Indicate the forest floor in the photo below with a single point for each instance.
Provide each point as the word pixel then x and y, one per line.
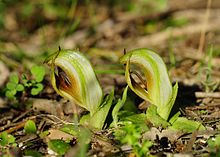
pixel 31 31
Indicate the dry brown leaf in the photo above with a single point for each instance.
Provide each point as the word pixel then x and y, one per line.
pixel 48 106
pixel 57 134
pixel 172 135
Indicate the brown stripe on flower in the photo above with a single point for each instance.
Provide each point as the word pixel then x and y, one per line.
pixel 62 80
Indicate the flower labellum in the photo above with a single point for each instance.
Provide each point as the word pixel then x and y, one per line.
pixel 158 89
pixel 73 77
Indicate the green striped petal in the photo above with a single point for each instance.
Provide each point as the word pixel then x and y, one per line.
pixel 158 89
pixel 73 77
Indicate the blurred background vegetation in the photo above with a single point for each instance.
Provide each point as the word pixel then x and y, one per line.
pixel 30 27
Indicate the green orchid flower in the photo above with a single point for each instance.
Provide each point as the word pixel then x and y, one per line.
pixel 73 77
pixel 156 88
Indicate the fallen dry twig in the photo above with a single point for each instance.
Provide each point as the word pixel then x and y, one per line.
pixel 206 95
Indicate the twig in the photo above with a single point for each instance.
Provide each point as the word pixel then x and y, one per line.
pixel 163 36
pixel 19 125
pixel 21 116
pixel 204 28
pixel 203 107
pixel 191 141
pixel 201 134
pixel 207 95
pixel 52 118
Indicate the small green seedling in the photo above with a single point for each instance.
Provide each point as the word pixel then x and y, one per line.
pixel 30 127
pixel 35 84
pixel 13 86
pixel 131 134
pixel 214 146
pixel 6 141
pixel 118 106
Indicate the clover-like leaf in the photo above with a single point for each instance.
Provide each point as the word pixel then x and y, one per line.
pixel 10 93
pixel 157 87
pixel 11 85
pixel 37 89
pixel 73 78
pixel 20 87
pixel 38 72
pixel 14 78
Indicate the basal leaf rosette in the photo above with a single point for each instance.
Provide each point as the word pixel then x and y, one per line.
pixel 73 77
pixel 159 90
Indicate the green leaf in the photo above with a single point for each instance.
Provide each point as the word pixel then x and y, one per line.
pixel 14 78
pixel 118 106
pixel 24 80
pixel 59 146
pixel 84 120
pixel 37 89
pixel 10 94
pixel 6 139
pixel 11 85
pixel 155 118
pixel 174 118
pixel 32 153
pixel 217 141
pixel 98 119
pixel 159 90
pixel 185 125
pixel 38 72
pixel 211 143
pixel 20 88
pixel 137 119
pixel 128 134
pixel 30 127
pixel 145 148
pixel 70 129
